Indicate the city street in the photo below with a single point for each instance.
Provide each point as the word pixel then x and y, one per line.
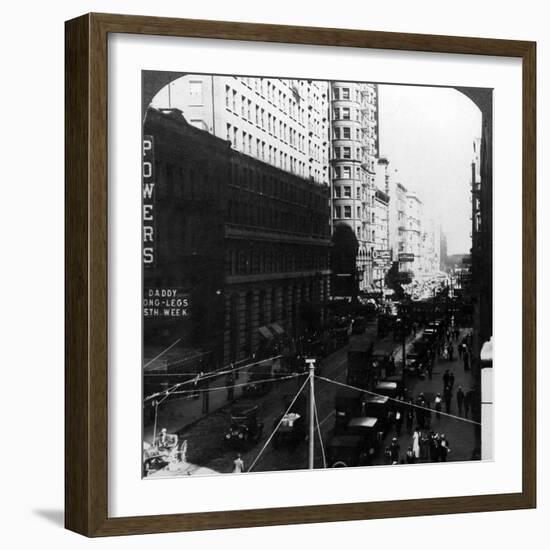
pixel 206 453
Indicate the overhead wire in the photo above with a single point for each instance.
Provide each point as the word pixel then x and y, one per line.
pixel 278 424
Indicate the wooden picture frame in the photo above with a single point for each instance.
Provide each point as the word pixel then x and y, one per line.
pixel 86 222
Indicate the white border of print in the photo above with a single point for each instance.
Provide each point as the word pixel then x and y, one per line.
pixel 128 494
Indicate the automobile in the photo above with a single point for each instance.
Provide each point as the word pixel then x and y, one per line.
pixel 381 407
pixel 244 428
pixel 291 428
pixel 415 365
pixel 345 451
pixel 389 388
pixel 370 429
pixel 347 404
pixel 359 324
pixel 257 376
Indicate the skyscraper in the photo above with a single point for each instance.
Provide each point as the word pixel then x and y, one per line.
pixel 353 114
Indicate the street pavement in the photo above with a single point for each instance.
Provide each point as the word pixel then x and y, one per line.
pixel 207 454
pixel 459 434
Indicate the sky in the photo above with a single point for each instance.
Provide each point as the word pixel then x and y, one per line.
pixel 427 134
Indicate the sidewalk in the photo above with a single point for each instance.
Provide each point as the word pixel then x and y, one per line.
pixel 460 434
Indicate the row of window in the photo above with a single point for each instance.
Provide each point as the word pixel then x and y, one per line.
pixel 255 214
pixel 279 259
pixel 288 105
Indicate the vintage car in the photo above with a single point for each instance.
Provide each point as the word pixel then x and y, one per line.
pixel 345 451
pixel 257 376
pixel 159 454
pixel 389 388
pixel 244 427
pixel 380 407
pixel 347 404
pixel 370 429
pixel 415 365
pixel 291 428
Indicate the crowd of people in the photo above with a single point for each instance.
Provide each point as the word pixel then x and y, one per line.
pixel 422 416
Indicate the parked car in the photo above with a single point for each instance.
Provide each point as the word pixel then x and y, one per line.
pixel 244 426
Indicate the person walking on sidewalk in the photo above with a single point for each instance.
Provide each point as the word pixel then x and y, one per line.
pixel 451 351
pixel 446 377
pixel 460 400
pixel 410 416
pixel 466 358
pixel 238 465
pixel 437 404
pixel 416 442
pixel 443 448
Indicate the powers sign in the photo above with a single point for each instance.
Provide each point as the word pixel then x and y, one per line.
pixel 148 201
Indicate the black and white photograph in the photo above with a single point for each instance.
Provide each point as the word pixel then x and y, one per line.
pixel 317 274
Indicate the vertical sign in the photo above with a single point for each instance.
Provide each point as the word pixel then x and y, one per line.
pixel 148 201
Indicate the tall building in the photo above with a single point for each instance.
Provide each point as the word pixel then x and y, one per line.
pixel 413 232
pixel 244 243
pixel 281 122
pixel 354 142
pixel 430 249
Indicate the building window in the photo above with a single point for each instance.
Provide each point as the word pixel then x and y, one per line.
pixel 358 192
pixel 358 211
pixel 346 171
pixel 234 102
pixel 345 93
pixel 346 132
pixel 347 211
pixel 345 112
pixel 195 92
pixel 337 172
pixel 337 212
pixel 227 97
pixel 337 191
pixel 346 152
pixel 347 191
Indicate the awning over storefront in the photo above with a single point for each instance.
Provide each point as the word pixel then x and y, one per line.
pixel 277 329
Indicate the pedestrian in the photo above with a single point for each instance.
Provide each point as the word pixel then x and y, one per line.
pixel 446 377
pixel 416 442
pixel 398 421
pixel 410 416
pixel 394 451
pixel 238 465
pixel 434 447
pixel 387 456
pixel 451 380
pixel 409 456
pixel 451 352
pixel 425 445
pixel 437 403
pixel 460 400
pixel 466 359
pixel 444 449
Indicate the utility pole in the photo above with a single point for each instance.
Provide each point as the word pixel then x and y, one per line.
pixel 404 342
pixel 311 363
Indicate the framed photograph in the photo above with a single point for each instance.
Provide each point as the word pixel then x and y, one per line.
pixel 282 249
